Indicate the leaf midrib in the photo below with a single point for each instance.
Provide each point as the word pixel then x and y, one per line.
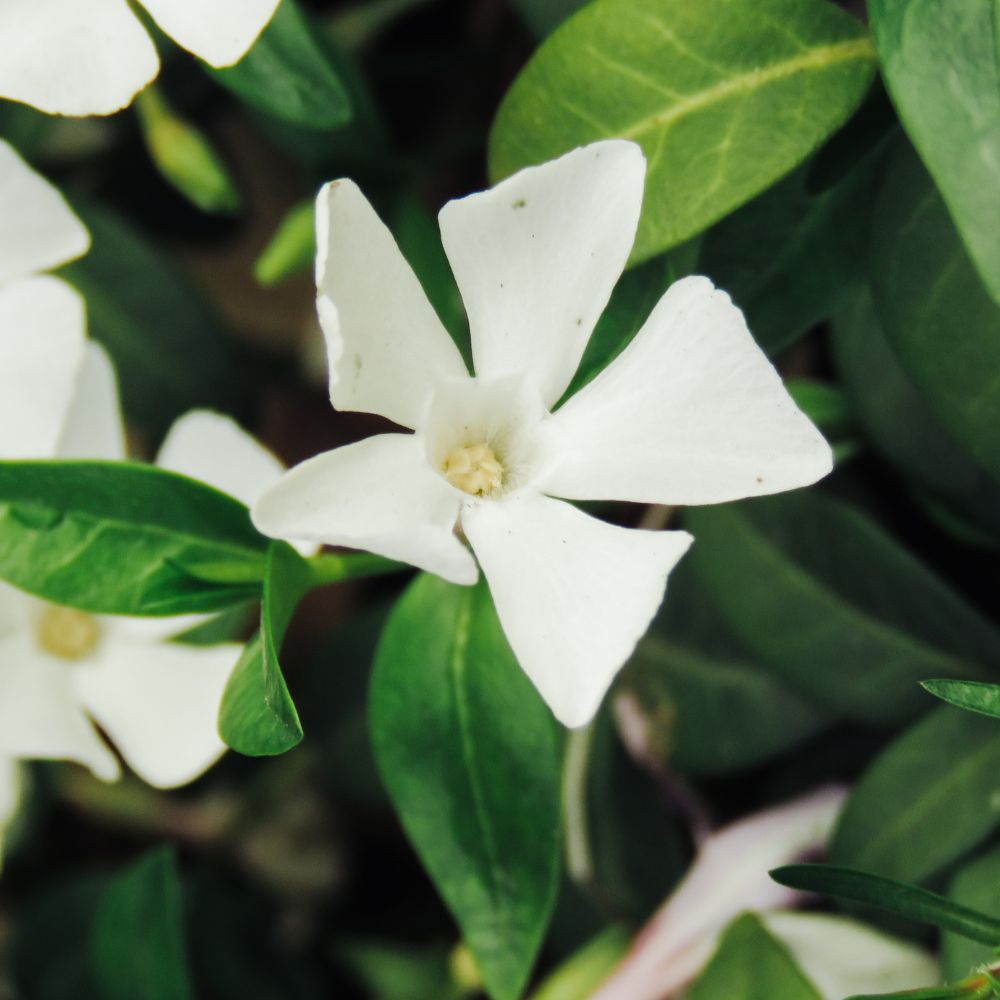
pixel 457 664
pixel 210 542
pixel 920 804
pixel 803 580
pixel 817 58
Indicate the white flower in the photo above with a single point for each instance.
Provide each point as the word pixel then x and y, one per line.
pixel 60 668
pixel 91 57
pixel 691 412
pixel 729 876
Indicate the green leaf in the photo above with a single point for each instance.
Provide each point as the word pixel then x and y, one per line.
pixel 184 156
pixel 971 695
pixel 257 716
pixel 168 349
pixel 750 964
pixel 975 885
pixel 939 318
pixel 291 249
pixel 581 974
pixel 542 16
pixel 895 897
pixel 467 751
pixel 288 74
pixel 724 97
pixel 122 538
pixel 789 257
pixel 940 63
pixel 137 938
pixel 932 795
pixel 705 715
pixel 901 425
pixel 833 606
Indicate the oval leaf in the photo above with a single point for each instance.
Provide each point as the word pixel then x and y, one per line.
pixel 940 63
pixel 835 607
pixel 467 751
pixel 137 936
pixel 750 963
pixel 977 886
pixel 895 897
pixel 288 75
pixel 703 87
pixel 124 538
pixel 971 695
pixel 941 321
pixel 926 800
pixel 257 716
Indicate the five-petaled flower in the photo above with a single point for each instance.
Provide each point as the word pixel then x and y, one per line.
pixel 91 57
pixel 691 412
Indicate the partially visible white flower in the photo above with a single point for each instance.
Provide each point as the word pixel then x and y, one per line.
pixel 42 322
pixel 91 57
pixel 62 670
pixel 730 876
pixel 691 412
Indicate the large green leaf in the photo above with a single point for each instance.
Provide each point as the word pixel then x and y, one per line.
pixel 125 538
pixel 977 886
pixel 790 257
pixel 940 63
pixel 168 349
pixel 468 753
pixel 288 74
pixel 905 900
pixel 750 964
pixel 938 316
pixel 926 800
pixel 901 425
pixel 724 96
pixel 137 937
pixel 834 606
pixel 705 715
pixel 257 716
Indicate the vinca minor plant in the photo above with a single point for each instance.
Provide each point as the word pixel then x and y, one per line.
pixel 627 629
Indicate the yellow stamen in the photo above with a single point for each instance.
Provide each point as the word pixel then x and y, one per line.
pixel 68 633
pixel 473 469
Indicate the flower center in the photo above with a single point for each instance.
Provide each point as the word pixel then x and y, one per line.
pixel 67 633
pixel 474 469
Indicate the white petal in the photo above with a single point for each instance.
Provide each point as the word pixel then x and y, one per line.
pixel 41 349
pixel 218 31
pixel 40 716
pixel 39 230
pixel 214 449
pixel 379 494
pixel 386 347
pixel 159 704
pixel 574 595
pixel 537 256
pixel 15 609
pixel 729 875
pixel 73 57
pixel 691 412
pixel 94 428
pixel 845 957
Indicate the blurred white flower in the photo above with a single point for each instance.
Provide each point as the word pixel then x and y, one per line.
pixel 60 668
pixel 691 412
pixel 730 876
pixel 91 57
pixel 42 320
